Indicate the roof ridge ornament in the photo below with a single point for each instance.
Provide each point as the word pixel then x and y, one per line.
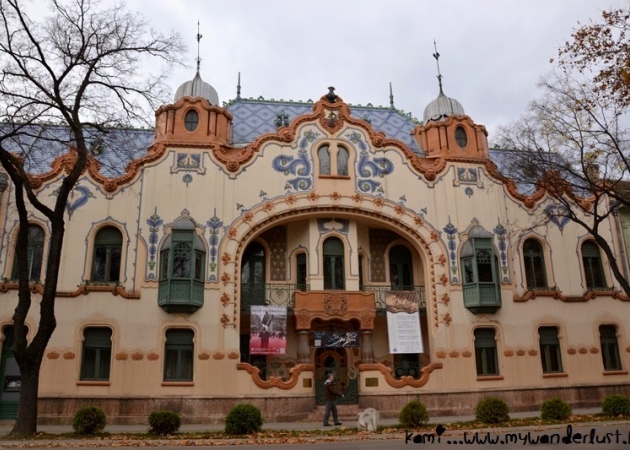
pixel 238 87
pixel 436 55
pixel 198 37
pixel 331 96
pixel 391 96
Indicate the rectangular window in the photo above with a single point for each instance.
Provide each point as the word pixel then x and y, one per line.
pixel 97 352
pixel 550 356
pixel 178 361
pixel 610 347
pixel 486 352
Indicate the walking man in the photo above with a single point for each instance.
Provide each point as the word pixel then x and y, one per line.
pixel 331 392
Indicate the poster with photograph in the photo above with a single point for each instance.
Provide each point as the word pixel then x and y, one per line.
pixel 336 339
pixel 403 322
pixel 268 330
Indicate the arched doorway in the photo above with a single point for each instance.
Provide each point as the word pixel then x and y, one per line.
pixel 335 360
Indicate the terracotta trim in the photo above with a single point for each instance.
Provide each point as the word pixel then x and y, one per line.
pixel 178 383
pixel 93 383
pixel 403 381
pixel 335 177
pixel 294 373
pixel 557 295
pixel 84 289
pixel 489 377
pixel 555 375
pixel 615 372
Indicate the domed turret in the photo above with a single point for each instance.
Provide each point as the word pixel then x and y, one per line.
pixel 442 107
pixel 197 88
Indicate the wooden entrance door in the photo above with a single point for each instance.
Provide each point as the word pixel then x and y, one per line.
pixel 335 360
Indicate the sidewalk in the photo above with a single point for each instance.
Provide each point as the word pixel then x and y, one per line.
pixel 289 426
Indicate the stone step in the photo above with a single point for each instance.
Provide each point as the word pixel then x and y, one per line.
pixel 346 413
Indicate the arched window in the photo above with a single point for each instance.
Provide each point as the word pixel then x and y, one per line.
pixel 107 250
pixel 191 120
pixel 460 137
pixel 534 260
pixel 35 254
pixel 178 359
pixel 301 271
pixel 253 275
pixel 400 268
pixel 334 268
pixel 324 160
pixel 550 356
pixel 486 352
pixel 342 161
pixel 182 269
pixel 610 347
pixel 592 261
pixel 97 354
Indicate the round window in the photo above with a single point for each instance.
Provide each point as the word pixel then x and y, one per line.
pixel 460 137
pixel 191 120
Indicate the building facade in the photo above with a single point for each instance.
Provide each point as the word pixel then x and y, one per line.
pixel 323 208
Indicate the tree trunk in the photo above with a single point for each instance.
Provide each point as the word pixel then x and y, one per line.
pixel 27 412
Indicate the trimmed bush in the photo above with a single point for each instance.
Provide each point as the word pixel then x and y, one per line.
pixel 492 410
pixel 413 415
pixel 164 422
pixel 243 419
pixel 555 409
pixel 89 420
pixel 616 405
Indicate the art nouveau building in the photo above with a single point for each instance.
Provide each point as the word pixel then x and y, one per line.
pixel 321 207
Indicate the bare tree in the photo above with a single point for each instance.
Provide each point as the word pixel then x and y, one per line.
pixel 575 145
pixel 81 70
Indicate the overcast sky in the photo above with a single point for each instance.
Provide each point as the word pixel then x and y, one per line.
pixel 492 51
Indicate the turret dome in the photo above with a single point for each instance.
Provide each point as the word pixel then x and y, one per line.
pixel 197 88
pixel 442 107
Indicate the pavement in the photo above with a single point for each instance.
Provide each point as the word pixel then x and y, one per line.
pixel 288 426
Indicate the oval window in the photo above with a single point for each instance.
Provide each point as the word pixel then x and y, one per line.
pixel 191 120
pixel 460 137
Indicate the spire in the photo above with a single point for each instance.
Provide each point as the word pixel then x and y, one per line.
pixel 436 55
pixel 391 96
pixel 238 87
pixel 198 37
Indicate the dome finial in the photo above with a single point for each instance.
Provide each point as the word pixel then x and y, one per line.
pixel 198 37
pixel 436 55
pixel 238 87
pixel 391 96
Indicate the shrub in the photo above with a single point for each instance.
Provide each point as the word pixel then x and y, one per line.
pixel 164 422
pixel 555 409
pixel 89 420
pixel 413 414
pixel 616 405
pixel 243 419
pixel 492 410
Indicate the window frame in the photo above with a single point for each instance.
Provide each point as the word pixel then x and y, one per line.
pixel 610 348
pixel 109 257
pixel 32 248
pixel 535 261
pixel 191 125
pixel 593 265
pixel 486 351
pixel 178 346
pixel 336 259
pixel 102 353
pixel 549 346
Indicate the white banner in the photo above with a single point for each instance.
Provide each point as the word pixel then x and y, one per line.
pixel 403 322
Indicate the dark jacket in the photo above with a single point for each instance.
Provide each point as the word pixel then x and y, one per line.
pixel 331 391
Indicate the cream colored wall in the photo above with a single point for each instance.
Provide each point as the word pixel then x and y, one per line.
pixel 139 325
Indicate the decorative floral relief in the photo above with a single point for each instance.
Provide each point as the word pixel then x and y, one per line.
pixel 509 353
pixel 451 233
pixel 225 299
pixel 628 349
pixel 572 351
pixel 75 201
pixel 137 356
pixel 153 356
pixel 441 354
pixel 369 169
pixel 594 350
pixel 204 356
pixel 68 355
pixel 532 352
pixel 154 222
pixel 218 356
pixel 214 228
pixel 122 356
pixel 454 354
pixel 327 225
pixel 466 353
pixel 52 355
pixel 447 319
pixel 583 350
pixel 299 166
pixel 521 352
pixel 233 355
pixel 501 233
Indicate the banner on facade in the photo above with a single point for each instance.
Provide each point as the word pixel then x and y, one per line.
pixel 336 339
pixel 403 322
pixel 268 330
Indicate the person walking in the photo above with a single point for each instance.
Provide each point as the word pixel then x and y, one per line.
pixel 331 392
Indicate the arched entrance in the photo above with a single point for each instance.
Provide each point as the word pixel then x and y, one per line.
pixel 335 360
